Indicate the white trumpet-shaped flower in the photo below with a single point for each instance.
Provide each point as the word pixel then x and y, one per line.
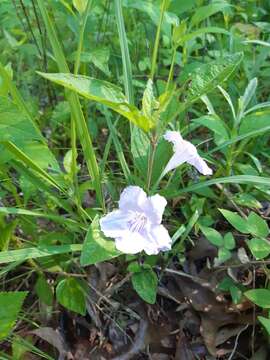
pixel 184 151
pixel 136 225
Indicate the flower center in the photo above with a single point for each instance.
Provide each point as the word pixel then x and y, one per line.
pixel 138 222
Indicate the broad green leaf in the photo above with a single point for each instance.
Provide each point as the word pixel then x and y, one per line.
pixel 265 322
pixel 247 200
pixel 10 306
pixel 6 233
pixel 149 102
pixel 96 246
pixel 248 94
pixel 34 253
pixel 208 76
pixel 140 147
pixel 145 283
pixel 223 255
pixel 80 5
pixel 260 248
pixel 235 220
pixel 102 92
pixel 44 290
pixel 20 155
pixel 70 294
pixel 236 294
pixel 211 29
pixel 16 127
pixel 255 122
pixel 99 57
pixel 215 124
pixel 260 297
pixel 229 242
pixel 257 107
pixel 212 235
pixel 204 12
pixel 153 11
pixel 256 225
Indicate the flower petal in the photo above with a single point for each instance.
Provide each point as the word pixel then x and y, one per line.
pixel 184 151
pixel 154 208
pixel 132 198
pixel 174 137
pixel 200 165
pixel 158 239
pixel 115 224
pixel 176 160
pixel 130 243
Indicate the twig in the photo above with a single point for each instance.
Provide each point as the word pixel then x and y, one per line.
pixel 30 27
pixel 198 280
pixel 236 342
pixel 229 197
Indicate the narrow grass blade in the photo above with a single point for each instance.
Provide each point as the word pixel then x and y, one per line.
pixel 75 106
pixel 20 155
pixel 238 179
pixel 34 252
pixel 124 51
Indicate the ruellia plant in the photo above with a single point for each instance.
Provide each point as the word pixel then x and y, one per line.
pixel 131 170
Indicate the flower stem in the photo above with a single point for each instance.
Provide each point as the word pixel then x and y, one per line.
pixel 83 21
pixel 171 70
pixel 155 52
pixel 151 159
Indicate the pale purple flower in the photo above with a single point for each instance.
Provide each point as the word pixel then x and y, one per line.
pixel 184 151
pixel 136 225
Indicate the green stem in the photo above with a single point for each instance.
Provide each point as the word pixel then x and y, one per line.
pixel 151 159
pixel 75 107
pixel 127 69
pixel 155 52
pixel 171 70
pixel 83 21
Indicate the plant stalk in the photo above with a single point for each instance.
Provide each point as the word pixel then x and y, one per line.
pixel 155 52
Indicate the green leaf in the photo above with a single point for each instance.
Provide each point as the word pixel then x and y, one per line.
pixel 212 235
pixel 10 306
pixel 236 294
pixel 257 226
pixel 80 5
pixel 6 233
pixel 229 242
pixel 265 322
pixel 215 124
pixel 140 147
pixel 206 30
pixel 204 12
pixel 260 248
pixel 34 252
pixel 102 92
pixel 238 179
pixel 223 255
pixel 248 94
pixel 44 290
pixel 70 294
pixel 145 283
pixel 16 127
pixel 97 247
pixel 235 220
pixel 260 297
pixel 149 102
pixel 247 200
pixel 208 76
pixel 99 57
